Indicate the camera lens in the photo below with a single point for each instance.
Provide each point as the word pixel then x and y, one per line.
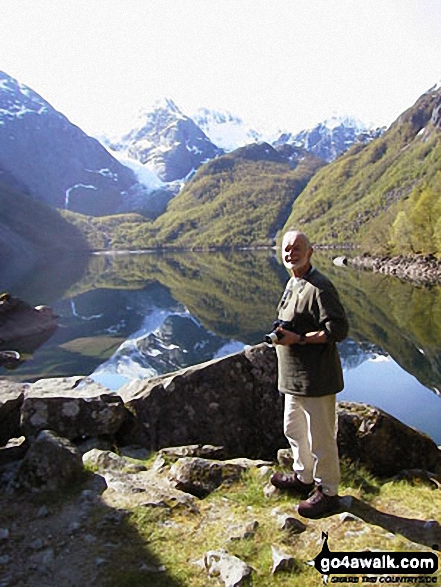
pixel 272 338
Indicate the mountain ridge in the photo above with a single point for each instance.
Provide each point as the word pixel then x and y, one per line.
pixel 58 163
pixel 385 195
pixel 168 142
pixel 377 194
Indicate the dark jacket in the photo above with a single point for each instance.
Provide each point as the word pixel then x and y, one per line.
pixel 312 304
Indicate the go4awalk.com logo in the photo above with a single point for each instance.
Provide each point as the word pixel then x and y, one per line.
pixel 363 567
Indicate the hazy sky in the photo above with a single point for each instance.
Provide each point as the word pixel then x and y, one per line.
pixel 286 63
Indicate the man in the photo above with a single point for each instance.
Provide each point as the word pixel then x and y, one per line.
pixel 310 376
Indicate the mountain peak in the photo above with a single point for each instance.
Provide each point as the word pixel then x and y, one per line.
pixel 161 106
pixel 330 138
pixel 342 120
pixel 60 165
pixel 226 130
pixel 17 100
pixel 167 142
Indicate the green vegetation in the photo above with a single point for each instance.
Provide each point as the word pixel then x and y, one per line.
pixel 177 540
pixel 238 200
pixel 232 202
pixel 384 196
pixel 108 232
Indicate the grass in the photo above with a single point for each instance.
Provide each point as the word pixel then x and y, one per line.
pixel 177 540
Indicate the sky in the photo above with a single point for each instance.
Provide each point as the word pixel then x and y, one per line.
pixel 280 64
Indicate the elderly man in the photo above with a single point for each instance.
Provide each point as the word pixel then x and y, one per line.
pixel 310 376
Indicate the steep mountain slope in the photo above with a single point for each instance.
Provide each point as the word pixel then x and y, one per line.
pixel 167 142
pixel 385 195
pixel 58 163
pixel 30 229
pixel 238 200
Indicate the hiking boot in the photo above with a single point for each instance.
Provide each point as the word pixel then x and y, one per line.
pixel 290 482
pixel 319 505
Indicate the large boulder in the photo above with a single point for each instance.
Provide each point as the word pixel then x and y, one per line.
pixel 231 402
pixel 50 464
pixel 383 444
pixel 74 407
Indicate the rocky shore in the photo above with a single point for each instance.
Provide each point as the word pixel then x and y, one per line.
pixel 421 269
pixel 73 468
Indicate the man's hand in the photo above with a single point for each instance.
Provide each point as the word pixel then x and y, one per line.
pixel 288 337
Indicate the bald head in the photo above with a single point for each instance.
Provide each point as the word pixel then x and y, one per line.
pixel 291 233
pixel 296 252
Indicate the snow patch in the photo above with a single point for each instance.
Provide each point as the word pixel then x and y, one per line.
pixel 74 187
pixel 144 175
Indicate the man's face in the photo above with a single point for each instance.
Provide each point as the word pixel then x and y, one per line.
pixel 296 252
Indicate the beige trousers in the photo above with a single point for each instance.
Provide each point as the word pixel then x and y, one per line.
pixel 310 425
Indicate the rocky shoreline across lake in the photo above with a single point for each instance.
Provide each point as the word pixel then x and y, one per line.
pixel 421 269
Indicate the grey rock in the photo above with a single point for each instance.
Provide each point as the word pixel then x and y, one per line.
pixel 289 523
pixel 200 477
pixel 245 531
pixel 424 269
pixel 148 488
pixel 109 461
pixel 383 444
pixel 193 450
pixel 231 570
pixel 135 452
pixel 74 407
pixel 230 402
pixel 14 450
pixel 281 560
pixel 50 464
pixel 4 534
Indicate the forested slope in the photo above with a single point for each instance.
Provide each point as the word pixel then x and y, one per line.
pixel 384 196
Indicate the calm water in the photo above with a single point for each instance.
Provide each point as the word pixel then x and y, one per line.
pixel 138 315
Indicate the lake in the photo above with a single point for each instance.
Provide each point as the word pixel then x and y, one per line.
pixel 125 316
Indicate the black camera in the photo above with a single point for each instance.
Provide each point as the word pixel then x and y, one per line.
pixel 276 335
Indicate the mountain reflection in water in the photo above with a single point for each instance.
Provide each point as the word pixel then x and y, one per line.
pixel 139 315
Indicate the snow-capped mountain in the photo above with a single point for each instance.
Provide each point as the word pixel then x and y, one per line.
pixel 330 138
pixel 56 162
pixel 167 142
pixel 173 145
pixel 226 130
